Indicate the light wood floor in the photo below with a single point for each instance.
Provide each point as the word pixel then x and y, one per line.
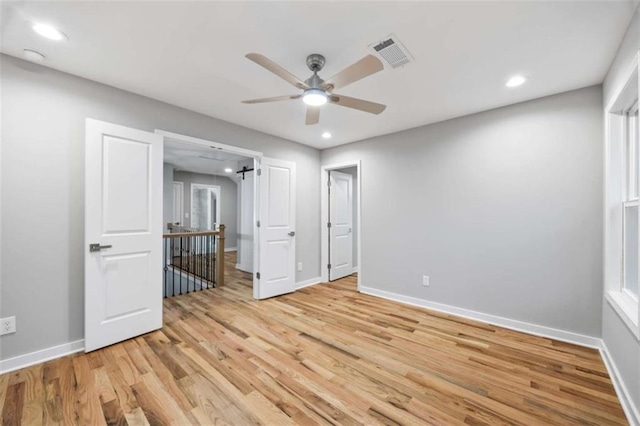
pixel 323 355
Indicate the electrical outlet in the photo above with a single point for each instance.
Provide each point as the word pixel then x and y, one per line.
pixel 299 266
pixel 7 325
pixel 425 280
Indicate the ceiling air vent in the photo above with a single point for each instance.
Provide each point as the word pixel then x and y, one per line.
pixel 392 51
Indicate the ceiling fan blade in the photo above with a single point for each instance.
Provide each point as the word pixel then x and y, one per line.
pixel 272 99
pixel 355 103
pixel 268 64
pixel 313 116
pixel 361 69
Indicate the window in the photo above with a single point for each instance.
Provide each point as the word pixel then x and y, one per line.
pixel 630 227
pixel 622 201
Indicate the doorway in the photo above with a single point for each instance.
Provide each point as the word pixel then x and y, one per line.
pixel 341 223
pixel 265 236
pixel 202 236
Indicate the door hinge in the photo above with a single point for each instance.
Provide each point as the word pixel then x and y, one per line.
pixel 258 275
pixel 258 224
pixel 328 224
pixel 329 266
pixel 259 172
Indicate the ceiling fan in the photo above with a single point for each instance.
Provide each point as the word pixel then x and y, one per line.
pixel 316 91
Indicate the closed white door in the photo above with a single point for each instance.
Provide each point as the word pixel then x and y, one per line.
pixel 123 233
pixel 341 219
pixel 277 186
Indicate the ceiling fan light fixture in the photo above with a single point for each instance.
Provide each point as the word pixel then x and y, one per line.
pixel 314 97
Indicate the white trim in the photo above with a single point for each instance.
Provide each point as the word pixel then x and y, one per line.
pixel 42 355
pixel 355 270
pixel 626 309
pixel 324 216
pixel 210 144
pixel 525 327
pixel 227 249
pixel 307 283
pixel 629 408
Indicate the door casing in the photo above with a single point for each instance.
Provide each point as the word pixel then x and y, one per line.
pixel 324 217
pixel 256 155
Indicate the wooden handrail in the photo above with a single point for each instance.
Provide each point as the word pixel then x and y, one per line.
pixel 191 234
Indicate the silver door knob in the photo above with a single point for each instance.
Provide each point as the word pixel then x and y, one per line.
pixel 292 233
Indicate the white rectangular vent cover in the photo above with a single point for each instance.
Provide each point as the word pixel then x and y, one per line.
pixel 392 51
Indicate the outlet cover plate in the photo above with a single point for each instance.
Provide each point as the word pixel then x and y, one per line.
pixel 7 325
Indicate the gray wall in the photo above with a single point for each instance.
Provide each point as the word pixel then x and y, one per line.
pixel 167 195
pixel 43 116
pixel 502 209
pixel 228 201
pixel 621 343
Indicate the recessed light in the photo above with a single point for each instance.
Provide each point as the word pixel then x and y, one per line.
pixel 516 80
pixel 32 55
pixel 49 32
pixel 228 170
pixel 326 135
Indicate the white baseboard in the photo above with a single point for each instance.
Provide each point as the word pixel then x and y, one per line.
pixel 525 327
pixel 26 360
pixel 630 410
pixel 307 283
pixel 355 270
pixel 226 249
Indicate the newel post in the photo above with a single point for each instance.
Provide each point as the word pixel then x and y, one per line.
pixel 220 256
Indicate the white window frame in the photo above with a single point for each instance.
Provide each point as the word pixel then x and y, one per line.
pixel 620 193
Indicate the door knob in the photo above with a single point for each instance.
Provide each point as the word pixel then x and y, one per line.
pixel 292 233
pixel 97 247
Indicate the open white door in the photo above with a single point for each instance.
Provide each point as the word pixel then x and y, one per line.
pixel 341 219
pixel 123 233
pixel 277 254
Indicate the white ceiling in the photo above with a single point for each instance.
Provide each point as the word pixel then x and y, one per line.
pixel 191 54
pixel 191 158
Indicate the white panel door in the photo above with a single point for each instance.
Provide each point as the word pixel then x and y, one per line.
pixel 277 186
pixel 123 217
pixel 341 218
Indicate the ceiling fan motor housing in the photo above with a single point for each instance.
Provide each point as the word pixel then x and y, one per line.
pixel 315 62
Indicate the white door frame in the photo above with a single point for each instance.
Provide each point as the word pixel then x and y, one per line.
pixel 256 155
pixel 216 189
pixel 324 217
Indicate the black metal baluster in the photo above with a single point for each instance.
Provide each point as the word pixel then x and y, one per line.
pixel 173 268
pixel 164 260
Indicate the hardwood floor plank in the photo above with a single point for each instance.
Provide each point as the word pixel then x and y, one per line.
pixel 322 355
